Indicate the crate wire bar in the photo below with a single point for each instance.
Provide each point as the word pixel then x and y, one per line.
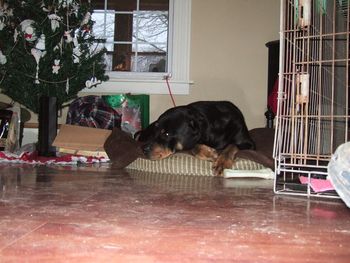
pixel 313 100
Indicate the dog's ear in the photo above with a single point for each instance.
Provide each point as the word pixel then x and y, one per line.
pixel 147 133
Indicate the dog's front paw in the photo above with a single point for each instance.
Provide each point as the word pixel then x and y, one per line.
pixel 225 160
pixel 205 152
pixel 220 164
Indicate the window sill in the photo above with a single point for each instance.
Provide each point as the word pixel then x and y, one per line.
pixel 140 86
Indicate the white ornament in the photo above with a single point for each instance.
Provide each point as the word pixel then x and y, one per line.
pixel 44 8
pixel 56 67
pixel 75 8
pixel 92 82
pixel 37 54
pixel 5 11
pixel 68 36
pixel 41 42
pixel 75 42
pixel 65 3
pixel 59 46
pixel 2 25
pixel 86 19
pixel 3 8
pixel 15 35
pixel 28 30
pixel 67 86
pixel 3 58
pixel 10 12
pixel 76 54
pixel 55 21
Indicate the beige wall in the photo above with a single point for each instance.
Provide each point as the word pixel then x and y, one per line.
pixel 228 56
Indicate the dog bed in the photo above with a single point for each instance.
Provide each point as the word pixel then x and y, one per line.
pixel 181 163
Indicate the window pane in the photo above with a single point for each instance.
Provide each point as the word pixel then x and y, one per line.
pixel 136 40
pixel 121 57
pixel 151 27
pixel 102 29
pixel 149 63
pixel 149 48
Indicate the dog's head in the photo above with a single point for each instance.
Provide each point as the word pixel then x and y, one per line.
pixel 176 129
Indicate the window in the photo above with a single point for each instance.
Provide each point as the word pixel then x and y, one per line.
pixel 136 33
pixel 146 41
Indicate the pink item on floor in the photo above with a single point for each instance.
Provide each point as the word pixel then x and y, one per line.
pixel 318 185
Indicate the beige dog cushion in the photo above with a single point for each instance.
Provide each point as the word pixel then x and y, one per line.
pixel 181 163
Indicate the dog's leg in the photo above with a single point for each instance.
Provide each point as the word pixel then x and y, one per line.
pixel 204 152
pixel 225 160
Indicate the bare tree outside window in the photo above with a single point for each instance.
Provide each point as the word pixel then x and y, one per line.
pixel 136 39
pixel 150 32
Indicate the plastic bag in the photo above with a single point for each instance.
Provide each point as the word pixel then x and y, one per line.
pixel 134 110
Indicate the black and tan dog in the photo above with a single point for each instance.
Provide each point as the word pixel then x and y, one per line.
pixel 212 130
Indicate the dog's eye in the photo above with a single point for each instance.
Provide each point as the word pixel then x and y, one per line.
pixel 164 133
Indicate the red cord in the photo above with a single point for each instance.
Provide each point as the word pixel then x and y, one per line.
pixel 169 89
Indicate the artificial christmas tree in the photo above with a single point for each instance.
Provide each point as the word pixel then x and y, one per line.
pixel 47 49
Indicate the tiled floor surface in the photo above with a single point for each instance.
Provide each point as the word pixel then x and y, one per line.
pixel 98 214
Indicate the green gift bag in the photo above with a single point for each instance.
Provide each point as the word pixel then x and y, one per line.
pixel 133 108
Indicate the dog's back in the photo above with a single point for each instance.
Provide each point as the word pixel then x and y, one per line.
pixel 223 124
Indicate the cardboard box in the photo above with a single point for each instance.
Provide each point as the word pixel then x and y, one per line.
pixel 81 140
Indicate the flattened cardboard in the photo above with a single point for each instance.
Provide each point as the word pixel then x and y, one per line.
pixel 79 138
pixel 84 153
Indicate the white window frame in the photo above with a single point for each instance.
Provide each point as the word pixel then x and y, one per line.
pixel 178 61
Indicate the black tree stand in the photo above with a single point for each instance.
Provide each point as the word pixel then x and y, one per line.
pixel 47 126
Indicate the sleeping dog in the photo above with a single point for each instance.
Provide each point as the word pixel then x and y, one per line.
pixel 211 130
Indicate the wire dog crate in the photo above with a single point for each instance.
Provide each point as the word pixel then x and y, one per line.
pixel 313 97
